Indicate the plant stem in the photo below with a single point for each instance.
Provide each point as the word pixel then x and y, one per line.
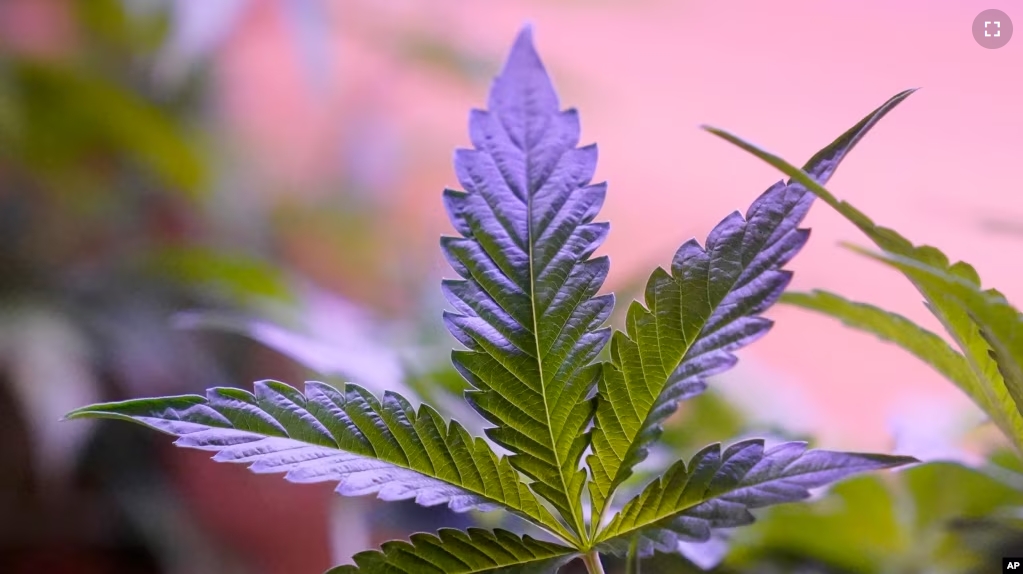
pixel 592 561
pixel 632 560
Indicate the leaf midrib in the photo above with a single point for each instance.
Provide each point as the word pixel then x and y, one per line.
pixel 577 524
pixel 487 569
pixel 682 358
pixel 518 564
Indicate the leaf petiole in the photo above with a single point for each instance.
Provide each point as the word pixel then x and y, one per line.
pixel 592 561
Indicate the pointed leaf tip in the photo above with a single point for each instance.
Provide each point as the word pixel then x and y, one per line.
pixel 523 53
pixel 525 36
pixel 523 88
pixel 523 45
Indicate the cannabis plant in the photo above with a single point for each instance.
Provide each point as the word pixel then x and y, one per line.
pixel 528 312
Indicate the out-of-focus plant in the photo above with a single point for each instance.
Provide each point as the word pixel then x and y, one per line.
pixel 528 313
pixel 100 212
pixel 108 228
pixel 94 177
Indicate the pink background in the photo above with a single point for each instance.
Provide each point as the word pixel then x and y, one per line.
pixel 645 75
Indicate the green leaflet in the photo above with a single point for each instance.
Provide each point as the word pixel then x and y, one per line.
pixel 527 308
pixel 368 446
pixel 451 551
pixel 957 312
pixel 718 488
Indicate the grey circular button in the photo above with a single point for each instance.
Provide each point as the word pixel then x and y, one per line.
pixel 992 29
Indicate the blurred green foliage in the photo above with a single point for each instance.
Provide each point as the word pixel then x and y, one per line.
pixel 73 121
pixel 935 518
pixel 232 275
pixel 106 230
pixel 82 126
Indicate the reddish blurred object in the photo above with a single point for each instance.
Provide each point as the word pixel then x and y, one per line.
pixel 37 28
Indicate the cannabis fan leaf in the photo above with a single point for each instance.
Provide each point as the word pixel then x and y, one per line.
pixel 530 316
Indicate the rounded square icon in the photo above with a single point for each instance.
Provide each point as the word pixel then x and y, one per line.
pixel 992 29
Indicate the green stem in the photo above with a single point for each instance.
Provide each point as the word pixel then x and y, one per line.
pixel 632 560
pixel 592 561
